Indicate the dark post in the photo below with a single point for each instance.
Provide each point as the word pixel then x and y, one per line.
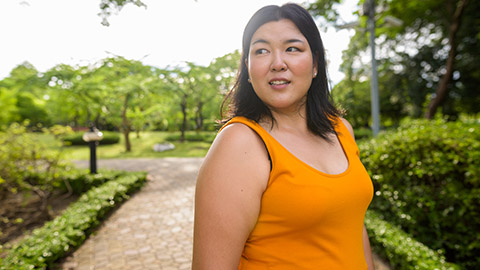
pixel 92 137
pixel 93 157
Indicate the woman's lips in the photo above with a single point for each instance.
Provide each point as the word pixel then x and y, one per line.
pixel 279 82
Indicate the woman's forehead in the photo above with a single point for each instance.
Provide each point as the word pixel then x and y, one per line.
pixel 282 30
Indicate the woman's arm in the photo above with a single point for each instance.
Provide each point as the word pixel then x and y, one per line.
pixel 229 189
pixel 366 242
pixel 367 250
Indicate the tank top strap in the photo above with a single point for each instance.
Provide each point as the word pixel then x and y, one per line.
pixel 266 138
pixel 345 137
pixel 268 141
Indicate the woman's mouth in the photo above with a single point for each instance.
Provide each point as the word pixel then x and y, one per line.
pixel 279 82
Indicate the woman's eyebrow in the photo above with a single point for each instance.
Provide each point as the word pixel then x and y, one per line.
pixel 293 40
pixel 260 41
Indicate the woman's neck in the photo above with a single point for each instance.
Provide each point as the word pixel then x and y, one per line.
pixel 286 121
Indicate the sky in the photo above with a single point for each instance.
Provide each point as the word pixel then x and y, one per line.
pixel 168 32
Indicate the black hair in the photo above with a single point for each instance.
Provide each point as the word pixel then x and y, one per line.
pixel 242 99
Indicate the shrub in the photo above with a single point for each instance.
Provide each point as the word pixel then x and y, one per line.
pixel 427 180
pixel 402 251
pixel 28 165
pixel 76 138
pixel 66 232
pixel 59 130
pixel 363 133
pixel 77 181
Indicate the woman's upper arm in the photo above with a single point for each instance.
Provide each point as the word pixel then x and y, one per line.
pixel 229 189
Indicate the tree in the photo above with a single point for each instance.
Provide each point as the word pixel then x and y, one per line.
pixel 180 86
pixel 225 70
pixel 76 94
pixel 8 103
pixel 354 98
pixel 429 56
pixel 438 17
pixel 127 84
pixel 25 86
pixel 109 6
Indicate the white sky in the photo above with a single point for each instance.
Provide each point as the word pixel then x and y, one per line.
pixel 49 32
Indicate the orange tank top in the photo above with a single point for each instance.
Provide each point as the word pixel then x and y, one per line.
pixel 309 219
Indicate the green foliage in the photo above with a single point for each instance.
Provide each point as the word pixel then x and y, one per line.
pixel 59 130
pixel 401 249
pixel 412 58
pixel 31 109
pixel 118 94
pixel 8 103
pixel 363 134
pixel 78 181
pixel 22 93
pixel 193 137
pixel 427 180
pixel 354 98
pixel 76 138
pixel 28 165
pixel 109 6
pixel 68 231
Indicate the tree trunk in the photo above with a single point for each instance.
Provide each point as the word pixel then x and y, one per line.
pixel 442 89
pixel 199 116
pixel 125 126
pixel 183 105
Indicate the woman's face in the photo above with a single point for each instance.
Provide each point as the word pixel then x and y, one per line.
pixel 280 66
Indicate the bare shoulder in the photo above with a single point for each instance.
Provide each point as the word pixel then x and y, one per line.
pixel 238 138
pixel 349 127
pixel 238 149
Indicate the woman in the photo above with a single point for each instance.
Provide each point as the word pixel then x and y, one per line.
pixel 282 186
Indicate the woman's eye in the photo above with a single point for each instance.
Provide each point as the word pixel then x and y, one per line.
pixel 293 49
pixel 260 51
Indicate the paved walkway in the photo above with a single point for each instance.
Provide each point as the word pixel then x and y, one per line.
pixel 154 228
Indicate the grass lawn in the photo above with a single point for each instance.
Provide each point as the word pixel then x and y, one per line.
pixel 141 147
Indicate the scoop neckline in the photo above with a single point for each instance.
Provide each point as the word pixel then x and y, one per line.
pixel 347 156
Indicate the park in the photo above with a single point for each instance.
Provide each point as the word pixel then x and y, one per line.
pixel 134 209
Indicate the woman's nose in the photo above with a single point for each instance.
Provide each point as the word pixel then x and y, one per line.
pixel 278 63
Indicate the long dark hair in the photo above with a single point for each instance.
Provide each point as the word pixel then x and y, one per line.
pixel 242 99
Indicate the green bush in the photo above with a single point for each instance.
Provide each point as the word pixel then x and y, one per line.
pixel 79 181
pixel 402 251
pixel 427 181
pixel 59 130
pixel 76 138
pixel 66 232
pixel 27 165
pixel 363 133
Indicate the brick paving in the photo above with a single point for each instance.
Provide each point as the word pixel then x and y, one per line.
pixel 154 228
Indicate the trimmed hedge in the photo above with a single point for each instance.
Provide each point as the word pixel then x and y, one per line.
pixel 401 249
pixel 427 181
pixel 80 180
pixel 76 138
pixel 66 232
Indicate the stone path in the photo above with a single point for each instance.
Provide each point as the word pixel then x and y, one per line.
pixel 154 228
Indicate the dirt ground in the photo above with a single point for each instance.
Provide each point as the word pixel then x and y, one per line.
pixel 20 213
